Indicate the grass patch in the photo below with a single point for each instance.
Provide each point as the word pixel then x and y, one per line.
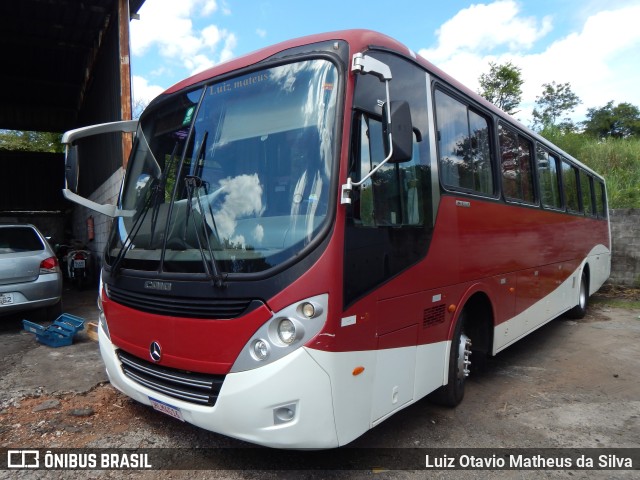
pixel 618 297
pixel 615 303
pixel 617 160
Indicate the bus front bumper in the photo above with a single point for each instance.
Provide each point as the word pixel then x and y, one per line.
pixel 285 404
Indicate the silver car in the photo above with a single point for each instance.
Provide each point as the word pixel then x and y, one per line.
pixel 30 277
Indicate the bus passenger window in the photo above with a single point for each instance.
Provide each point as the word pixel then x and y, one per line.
pixel 600 199
pixel 570 186
pixel 548 179
pixel 516 155
pixel 587 199
pixel 464 146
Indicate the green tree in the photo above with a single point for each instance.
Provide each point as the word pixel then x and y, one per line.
pixel 620 121
pixel 502 86
pixel 16 140
pixel 556 100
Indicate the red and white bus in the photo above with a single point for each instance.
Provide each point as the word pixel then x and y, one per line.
pixel 314 236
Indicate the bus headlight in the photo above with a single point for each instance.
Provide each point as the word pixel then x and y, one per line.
pixel 285 332
pixel 308 309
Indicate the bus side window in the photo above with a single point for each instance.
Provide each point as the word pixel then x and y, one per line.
pixel 516 156
pixel 570 187
pixel 464 146
pixel 393 195
pixel 587 196
pixel 601 205
pixel 548 179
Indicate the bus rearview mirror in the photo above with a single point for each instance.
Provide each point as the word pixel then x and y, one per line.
pixel 401 131
pixel 71 167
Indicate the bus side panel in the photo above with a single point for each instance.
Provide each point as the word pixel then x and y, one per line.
pixel 551 305
pixel 393 387
pixel 431 368
pixel 599 267
pixel 507 244
pixel 354 394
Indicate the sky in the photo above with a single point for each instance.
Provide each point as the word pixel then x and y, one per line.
pixel 592 44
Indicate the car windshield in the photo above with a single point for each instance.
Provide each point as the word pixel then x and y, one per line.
pixel 234 175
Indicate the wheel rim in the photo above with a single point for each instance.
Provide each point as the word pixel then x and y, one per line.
pixel 464 352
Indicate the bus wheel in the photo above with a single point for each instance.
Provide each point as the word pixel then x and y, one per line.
pixel 580 310
pixel 452 393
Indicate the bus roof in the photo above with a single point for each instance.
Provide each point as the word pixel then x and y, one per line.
pixel 358 40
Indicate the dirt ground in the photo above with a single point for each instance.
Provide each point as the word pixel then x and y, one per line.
pixel 572 384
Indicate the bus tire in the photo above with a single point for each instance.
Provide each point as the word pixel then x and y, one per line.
pixel 580 310
pixel 452 393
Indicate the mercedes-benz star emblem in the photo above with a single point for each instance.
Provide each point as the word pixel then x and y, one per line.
pixel 155 352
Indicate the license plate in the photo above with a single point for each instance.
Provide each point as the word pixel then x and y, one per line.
pixel 166 409
pixel 6 298
pixel 78 264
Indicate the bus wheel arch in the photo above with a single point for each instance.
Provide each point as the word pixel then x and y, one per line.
pixel 479 324
pixel 472 337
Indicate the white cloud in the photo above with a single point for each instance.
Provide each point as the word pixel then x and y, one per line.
pixel 211 35
pixel 143 93
pixel 261 32
pixel 600 61
pixel 167 25
pixel 484 27
pixel 230 43
pixel 209 7
pixel 198 63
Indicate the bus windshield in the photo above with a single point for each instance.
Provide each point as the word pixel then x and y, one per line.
pixel 233 176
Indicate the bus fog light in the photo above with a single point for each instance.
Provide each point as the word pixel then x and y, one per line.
pixel 260 349
pixel 286 331
pixel 284 414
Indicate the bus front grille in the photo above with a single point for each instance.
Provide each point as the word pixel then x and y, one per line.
pixel 198 388
pixel 185 307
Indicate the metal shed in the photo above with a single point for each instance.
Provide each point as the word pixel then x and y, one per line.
pixel 65 64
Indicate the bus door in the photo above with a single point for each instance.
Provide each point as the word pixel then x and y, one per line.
pixel 389 228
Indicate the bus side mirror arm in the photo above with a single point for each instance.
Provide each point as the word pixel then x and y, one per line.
pixel 363 64
pixel 126 126
pixel 72 164
pixel 108 210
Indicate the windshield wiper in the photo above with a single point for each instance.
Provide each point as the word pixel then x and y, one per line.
pixel 153 198
pixel 212 270
pixel 126 246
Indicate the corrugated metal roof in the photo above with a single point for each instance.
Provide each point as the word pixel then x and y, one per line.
pixel 49 49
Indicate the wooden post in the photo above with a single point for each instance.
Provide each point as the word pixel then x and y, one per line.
pixel 125 75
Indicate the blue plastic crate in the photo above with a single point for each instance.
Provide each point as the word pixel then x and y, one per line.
pixel 67 320
pixel 60 333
